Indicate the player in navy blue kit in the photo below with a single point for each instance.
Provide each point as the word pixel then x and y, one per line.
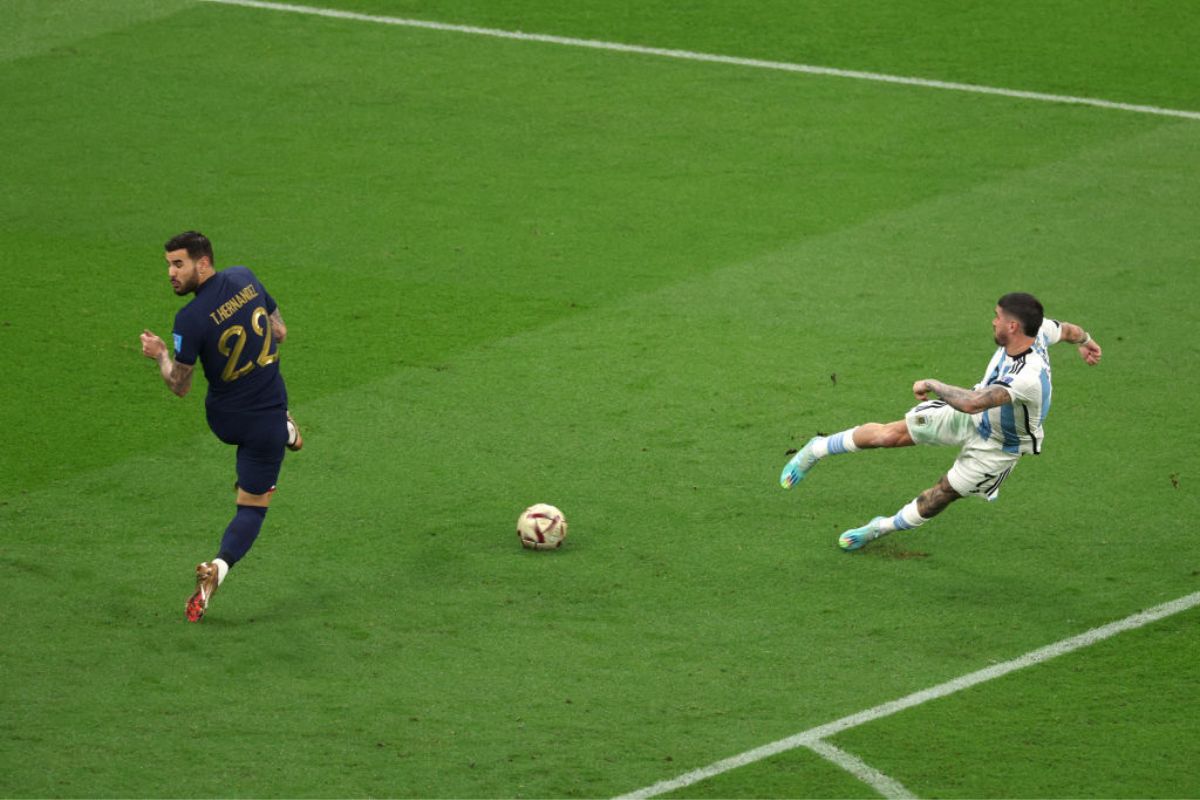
pixel 234 327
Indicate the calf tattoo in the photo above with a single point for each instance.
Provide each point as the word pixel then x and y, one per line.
pixel 931 501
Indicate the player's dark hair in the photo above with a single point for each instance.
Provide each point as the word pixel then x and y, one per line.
pixel 196 244
pixel 1025 308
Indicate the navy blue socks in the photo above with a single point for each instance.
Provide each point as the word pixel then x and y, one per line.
pixel 242 531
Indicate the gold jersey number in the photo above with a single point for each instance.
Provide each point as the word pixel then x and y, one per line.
pixel 233 342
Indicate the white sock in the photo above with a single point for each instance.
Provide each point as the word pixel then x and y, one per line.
pixel 222 569
pixel 836 444
pixel 905 519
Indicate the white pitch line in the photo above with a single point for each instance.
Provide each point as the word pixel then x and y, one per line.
pixel 889 787
pixel 689 55
pixel 813 735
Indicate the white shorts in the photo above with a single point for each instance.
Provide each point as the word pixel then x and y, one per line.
pixel 981 466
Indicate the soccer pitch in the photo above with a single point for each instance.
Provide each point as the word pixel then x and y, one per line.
pixel 626 283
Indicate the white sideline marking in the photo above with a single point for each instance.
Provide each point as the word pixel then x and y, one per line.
pixel 888 787
pixel 688 55
pixel 813 736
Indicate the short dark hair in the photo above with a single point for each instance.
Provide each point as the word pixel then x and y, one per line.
pixel 1024 307
pixel 196 244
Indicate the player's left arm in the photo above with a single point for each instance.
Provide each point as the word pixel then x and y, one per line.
pixel 970 401
pixel 177 376
pixel 1089 350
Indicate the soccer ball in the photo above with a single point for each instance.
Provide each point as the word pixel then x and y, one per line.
pixel 541 527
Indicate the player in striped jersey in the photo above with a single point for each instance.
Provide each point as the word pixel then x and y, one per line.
pixel 995 423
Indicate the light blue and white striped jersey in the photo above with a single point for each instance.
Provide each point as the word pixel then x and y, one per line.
pixel 1018 426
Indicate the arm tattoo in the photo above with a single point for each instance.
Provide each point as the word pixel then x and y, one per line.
pixel 1072 333
pixel 970 401
pixel 954 395
pixel 278 328
pixel 994 396
pixel 179 379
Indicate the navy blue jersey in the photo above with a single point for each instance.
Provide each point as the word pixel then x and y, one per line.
pixel 228 326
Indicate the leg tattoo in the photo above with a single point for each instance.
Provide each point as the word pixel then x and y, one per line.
pixel 934 500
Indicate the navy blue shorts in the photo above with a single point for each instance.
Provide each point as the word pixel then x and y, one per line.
pixel 261 437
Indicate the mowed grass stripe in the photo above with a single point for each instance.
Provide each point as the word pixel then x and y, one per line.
pixel 813 737
pixel 611 176
pixel 1091 724
pixel 388 636
pixel 819 265
pixel 667 412
pixel 688 55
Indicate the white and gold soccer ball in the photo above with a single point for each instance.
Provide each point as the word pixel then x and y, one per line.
pixel 541 527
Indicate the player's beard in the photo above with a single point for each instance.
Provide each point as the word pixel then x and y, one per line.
pixel 186 286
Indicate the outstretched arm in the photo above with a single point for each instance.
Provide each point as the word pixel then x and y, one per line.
pixel 1089 351
pixel 178 377
pixel 969 400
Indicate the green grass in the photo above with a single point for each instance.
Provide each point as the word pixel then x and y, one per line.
pixel 1113 721
pixel 517 273
pixel 1060 724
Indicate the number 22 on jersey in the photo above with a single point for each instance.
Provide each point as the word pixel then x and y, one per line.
pixel 233 342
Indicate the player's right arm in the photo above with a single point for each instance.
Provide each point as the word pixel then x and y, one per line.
pixel 970 401
pixel 177 376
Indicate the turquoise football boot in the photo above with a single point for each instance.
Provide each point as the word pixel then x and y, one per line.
pixel 798 467
pixel 855 538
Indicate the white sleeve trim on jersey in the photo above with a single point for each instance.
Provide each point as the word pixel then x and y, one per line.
pixel 1052 330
